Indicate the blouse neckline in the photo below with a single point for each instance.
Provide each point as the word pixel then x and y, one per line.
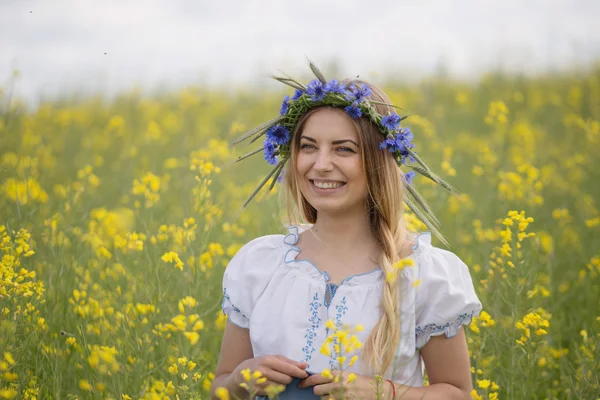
pixel 366 278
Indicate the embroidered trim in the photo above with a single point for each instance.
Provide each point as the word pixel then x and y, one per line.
pixel 341 311
pixel 311 333
pixel 423 334
pixel 228 306
pixel 331 289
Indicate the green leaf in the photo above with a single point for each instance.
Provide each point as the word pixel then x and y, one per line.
pixel 389 105
pixel 249 154
pixel 426 221
pixel 274 181
pixel 419 199
pixel 260 186
pixel 430 175
pixel 317 73
pixel 289 82
pixel 258 129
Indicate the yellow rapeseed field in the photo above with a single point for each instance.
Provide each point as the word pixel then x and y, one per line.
pixel 118 218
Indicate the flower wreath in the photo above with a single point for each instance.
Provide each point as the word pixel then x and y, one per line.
pixel 356 102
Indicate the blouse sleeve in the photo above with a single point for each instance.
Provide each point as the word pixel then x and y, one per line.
pixel 445 299
pixel 247 276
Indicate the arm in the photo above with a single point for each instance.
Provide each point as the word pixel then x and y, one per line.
pixel 448 368
pixel 235 349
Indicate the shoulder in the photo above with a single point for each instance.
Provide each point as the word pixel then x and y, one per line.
pixel 260 244
pixel 436 265
pixel 263 252
pixel 248 274
pixel 445 295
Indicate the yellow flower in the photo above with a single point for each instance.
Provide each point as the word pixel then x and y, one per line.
pixel 325 350
pixel 483 383
pixel 192 337
pixel 170 388
pixel 327 373
pixel 182 360
pixel 246 373
pixel 8 393
pixel 352 360
pixel 273 391
pixel 222 393
pixel 351 377
pixel 416 283
pixel 173 370
pixel 9 358
pixel 256 374
pixel 85 385
pixel 10 376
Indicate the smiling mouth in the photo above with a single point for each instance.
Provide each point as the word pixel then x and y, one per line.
pixel 327 185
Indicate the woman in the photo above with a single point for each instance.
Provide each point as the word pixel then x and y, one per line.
pixel 344 145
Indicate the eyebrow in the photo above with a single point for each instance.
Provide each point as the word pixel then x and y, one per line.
pixel 334 142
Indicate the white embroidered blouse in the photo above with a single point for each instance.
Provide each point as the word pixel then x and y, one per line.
pixel 283 302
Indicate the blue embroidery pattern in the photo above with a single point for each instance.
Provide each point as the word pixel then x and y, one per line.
pixel 341 311
pixel 331 289
pixel 228 306
pixel 450 328
pixel 311 332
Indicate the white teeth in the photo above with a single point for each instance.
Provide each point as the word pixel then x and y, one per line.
pixel 327 185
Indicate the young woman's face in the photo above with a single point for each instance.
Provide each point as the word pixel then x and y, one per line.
pixel 329 163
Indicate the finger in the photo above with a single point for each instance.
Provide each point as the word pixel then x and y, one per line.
pixel 299 364
pixel 285 367
pixel 316 379
pixel 327 389
pixel 277 377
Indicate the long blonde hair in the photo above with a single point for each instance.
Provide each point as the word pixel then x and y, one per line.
pixel 385 204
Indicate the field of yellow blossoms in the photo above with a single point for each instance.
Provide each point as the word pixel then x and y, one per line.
pixel 118 217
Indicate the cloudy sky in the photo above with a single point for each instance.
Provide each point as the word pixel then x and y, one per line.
pixel 111 45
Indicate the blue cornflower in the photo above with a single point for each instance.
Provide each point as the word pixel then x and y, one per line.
pixel 403 140
pixel 285 105
pixel 407 135
pixel 358 93
pixel 409 177
pixel 316 89
pixel 400 143
pixel 353 111
pixel 278 134
pixel 269 150
pixel 333 86
pixel 391 121
pixel 297 94
pixel 391 144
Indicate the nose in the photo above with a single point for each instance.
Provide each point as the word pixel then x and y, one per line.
pixel 323 161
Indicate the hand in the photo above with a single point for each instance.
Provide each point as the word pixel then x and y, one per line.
pixel 276 368
pixel 359 387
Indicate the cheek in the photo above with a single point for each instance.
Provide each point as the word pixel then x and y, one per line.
pixel 301 166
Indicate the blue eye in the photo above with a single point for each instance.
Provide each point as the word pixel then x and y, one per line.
pixel 305 146
pixel 346 149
